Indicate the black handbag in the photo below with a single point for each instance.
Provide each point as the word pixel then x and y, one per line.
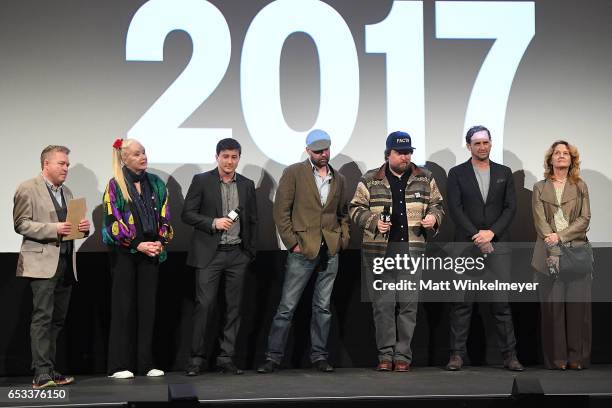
pixel 576 261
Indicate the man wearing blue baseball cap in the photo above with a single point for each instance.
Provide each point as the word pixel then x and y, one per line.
pixel 408 194
pixel 310 214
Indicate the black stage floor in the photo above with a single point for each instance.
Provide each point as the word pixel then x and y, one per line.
pixel 354 387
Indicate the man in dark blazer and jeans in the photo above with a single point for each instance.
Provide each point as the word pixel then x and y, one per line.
pixel 482 203
pixel 221 248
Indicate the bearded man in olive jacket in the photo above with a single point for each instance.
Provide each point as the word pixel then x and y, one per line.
pixel 311 216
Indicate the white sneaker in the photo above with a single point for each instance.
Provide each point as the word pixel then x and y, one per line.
pixel 122 375
pixel 155 373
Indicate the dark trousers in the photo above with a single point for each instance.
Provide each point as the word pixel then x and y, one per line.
pixel 497 267
pixel 395 311
pixel 231 266
pixel 50 299
pixel 133 298
pixel 565 320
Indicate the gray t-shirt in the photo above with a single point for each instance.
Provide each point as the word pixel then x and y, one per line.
pixel 483 177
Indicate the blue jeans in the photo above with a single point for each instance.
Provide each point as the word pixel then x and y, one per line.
pixel 298 273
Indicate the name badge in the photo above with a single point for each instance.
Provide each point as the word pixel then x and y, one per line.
pixel 417 195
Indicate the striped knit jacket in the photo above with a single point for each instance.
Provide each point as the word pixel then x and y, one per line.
pixel 374 193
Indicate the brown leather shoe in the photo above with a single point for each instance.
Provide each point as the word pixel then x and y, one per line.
pixel 401 366
pixel 384 365
pixel 454 363
pixel 575 365
pixel 559 365
pixel 511 362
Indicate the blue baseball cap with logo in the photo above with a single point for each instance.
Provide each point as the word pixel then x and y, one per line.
pixel 399 141
pixel 318 139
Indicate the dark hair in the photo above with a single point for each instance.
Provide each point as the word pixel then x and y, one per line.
pixel 388 152
pixel 229 144
pixel 475 129
pixel 44 155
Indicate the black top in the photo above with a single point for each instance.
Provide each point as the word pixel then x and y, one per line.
pixel 399 219
pixel 143 204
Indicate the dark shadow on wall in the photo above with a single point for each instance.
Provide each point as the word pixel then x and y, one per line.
pixel 178 303
pixel 176 199
pixel 265 188
pixel 522 232
pixel 89 321
pixel 350 170
pixel 259 294
pixel 346 297
pixel 87 183
pixel 522 229
pixel 600 188
pixel 436 166
pixel 433 316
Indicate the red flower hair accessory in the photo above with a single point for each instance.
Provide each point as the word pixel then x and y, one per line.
pixel 118 143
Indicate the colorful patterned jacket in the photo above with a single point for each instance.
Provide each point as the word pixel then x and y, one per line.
pixel 374 193
pixel 118 227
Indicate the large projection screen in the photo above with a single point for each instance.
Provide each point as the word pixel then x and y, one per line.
pixel 180 75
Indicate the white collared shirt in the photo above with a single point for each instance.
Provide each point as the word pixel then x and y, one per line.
pixel 322 183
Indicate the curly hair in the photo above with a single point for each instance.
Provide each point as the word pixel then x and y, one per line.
pixel 573 174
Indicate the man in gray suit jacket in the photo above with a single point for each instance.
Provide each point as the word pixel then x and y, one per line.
pixel 311 215
pixel 48 262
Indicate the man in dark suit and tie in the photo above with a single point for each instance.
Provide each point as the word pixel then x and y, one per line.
pixel 222 247
pixel 482 203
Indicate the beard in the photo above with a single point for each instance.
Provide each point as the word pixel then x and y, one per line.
pixel 320 163
pixel 399 168
pixel 482 156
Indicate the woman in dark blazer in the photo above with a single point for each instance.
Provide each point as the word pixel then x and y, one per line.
pixel 561 215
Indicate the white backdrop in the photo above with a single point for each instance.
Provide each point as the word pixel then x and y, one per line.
pixel 180 75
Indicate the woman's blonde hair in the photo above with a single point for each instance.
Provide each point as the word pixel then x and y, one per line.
pixel 573 174
pixel 119 154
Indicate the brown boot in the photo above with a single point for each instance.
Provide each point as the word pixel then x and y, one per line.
pixel 385 365
pixel 511 362
pixel 401 366
pixel 454 363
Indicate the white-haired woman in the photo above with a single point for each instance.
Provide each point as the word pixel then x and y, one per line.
pixel 136 228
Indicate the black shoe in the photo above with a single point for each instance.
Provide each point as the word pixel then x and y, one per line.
pixel 268 367
pixel 192 370
pixel 323 366
pixel 60 379
pixel 43 381
pixel 229 368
